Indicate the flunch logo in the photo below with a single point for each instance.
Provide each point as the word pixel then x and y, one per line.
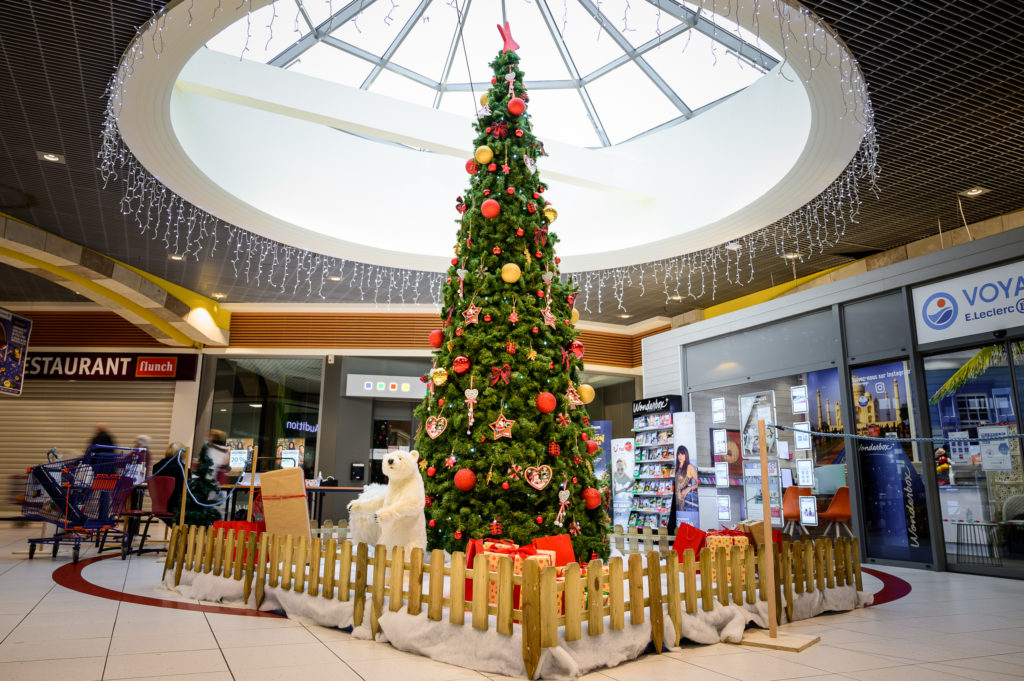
pixel 939 311
pixel 156 367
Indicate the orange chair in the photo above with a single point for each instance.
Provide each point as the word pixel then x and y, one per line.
pixel 838 512
pixel 791 508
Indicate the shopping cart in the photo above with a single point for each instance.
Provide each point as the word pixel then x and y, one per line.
pixel 82 497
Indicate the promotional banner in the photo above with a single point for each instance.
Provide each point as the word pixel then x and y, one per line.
pixel 622 453
pixel 892 490
pixel 603 461
pixel 14 333
pixel 684 445
pixel 980 302
pixel 111 366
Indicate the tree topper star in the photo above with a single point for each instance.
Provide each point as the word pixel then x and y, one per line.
pixel 506 35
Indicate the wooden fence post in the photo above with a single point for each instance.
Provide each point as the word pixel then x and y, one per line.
pixel 397 574
pixel 197 561
pixel 636 589
pixel 330 558
pixel 261 569
pixel 345 571
pixel 797 554
pixel 690 581
pixel 457 587
pixel 615 594
pixel 179 561
pixel 530 603
pixel 809 566
pixel 505 595
pixel 172 549
pixel 674 601
pixel 736 573
pixel 415 581
pixel 380 563
pixel 786 579
pixel 481 592
pixel 315 556
pixel 707 601
pixel 722 575
pixel 548 604
pixel 750 574
pixel 435 605
pixel 190 548
pixel 856 564
pixel 595 598
pixel 819 562
pixel 654 594
pixel 211 549
pixel 359 597
pixel 829 560
pixel 250 566
pixel 286 563
pixel 300 566
pixel 573 597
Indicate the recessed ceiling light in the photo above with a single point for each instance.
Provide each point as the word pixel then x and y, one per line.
pixel 974 191
pixel 677 298
pixel 733 246
pixel 220 296
pixel 223 409
pixel 175 256
pixel 50 156
pixel 256 406
pixel 624 316
pixel 791 256
pixel 334 277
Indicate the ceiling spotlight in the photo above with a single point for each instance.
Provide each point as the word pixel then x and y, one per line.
pixel 176 257
pixel 334 277
pixel 219 296
pixel 676 298
pixel 733 246
pixel 255 405
pixel 49 156
pixel 624 316
pixel 791 256
pixel 974 191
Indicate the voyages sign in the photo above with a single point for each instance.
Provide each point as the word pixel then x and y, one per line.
pixel 980 302
pixel 110 366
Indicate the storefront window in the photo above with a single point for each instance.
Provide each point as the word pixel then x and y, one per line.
pixel 981 493
pixel 272 404
pixel 810 400
pixel 892 491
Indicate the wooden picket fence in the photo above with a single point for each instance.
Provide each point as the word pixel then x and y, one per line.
pixel 337 570
pixel 641 540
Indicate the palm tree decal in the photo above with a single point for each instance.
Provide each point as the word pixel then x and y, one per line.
pixel 986 357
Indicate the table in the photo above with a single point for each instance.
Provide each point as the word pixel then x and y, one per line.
pixel 314 498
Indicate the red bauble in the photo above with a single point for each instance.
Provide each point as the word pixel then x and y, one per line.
pixel 539 254
pixel 558 260
pixel 464 479
pixel 458 534
pixel 431 472
pixel 496 251
pixel 490 208
pixel 440 402
pixel 432 523
pixel 492 167
pixel 504 485
pixel 520 232
pixel 577 348
pixel 487 192
pixel 472 167
pixel 494 80
pixel 546 403
pixel 458 331
pixel 455 261
pixel 540 520
pixel 516 106
pixel 540 294
pixel 583 436
pixel 519 133
pixel 535 329
pixel 461 365
pixel 487 317
pixel 591 498
pixel 536 195
pixel 436 338
pixel 592 447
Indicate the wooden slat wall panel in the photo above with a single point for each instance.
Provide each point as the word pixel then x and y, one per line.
pixel 86 329
pixel 388 331
pixel 637 349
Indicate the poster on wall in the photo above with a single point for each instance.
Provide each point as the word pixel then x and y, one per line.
pixel 752 492
pixel 809 510
pixel 603 460
pixel 892 490
pixel 718 410
pixel 724 507
pixel 291 452
pixel 798 396
pixel 802 436
pixel 14 334
pixel 731 452
pixel 995 454
pixel 756 407
pixel 721 474
pixel 622 479
pixel 241 449
pixel 960 446
pixel 684 436
pixel 805 473
pixel 824 413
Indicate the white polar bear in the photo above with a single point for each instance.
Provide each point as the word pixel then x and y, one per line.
pixel 398 506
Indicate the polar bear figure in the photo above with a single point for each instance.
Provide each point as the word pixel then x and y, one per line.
pixel 398 506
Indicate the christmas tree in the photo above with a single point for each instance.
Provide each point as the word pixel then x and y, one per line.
pixel 505 441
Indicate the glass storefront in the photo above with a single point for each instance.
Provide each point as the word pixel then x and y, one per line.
pixel 971 395
pixel 272 404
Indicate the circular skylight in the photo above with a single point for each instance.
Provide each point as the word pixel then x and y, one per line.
pixel 611 70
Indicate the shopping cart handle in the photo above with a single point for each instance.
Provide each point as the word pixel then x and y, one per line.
pixel 52 455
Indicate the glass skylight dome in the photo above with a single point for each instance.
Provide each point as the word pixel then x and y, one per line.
pixel 611 70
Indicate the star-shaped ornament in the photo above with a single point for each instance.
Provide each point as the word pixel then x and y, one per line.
pixel 472 314
pixel 548 315
pixel 502 427
pixel 423 464
pixel 450 461
pixel 505 168
pixel 531 355
pixel 513 316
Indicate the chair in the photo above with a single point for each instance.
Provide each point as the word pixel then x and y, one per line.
pixel 160 489
pixel 791 508
pixel 838 512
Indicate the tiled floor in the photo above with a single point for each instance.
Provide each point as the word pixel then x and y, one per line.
pixel 950 627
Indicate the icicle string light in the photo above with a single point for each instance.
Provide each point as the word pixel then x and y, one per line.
pixel 185 229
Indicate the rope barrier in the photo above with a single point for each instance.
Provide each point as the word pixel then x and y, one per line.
pixel 932 440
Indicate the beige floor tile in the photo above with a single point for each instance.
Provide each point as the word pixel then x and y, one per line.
pixel 837 660
pixel 128 643
pixel 354 649
pixel 329 671
pixel 755 666
pixel 70 669
pixel 201 676
pixel 908 673
pixel 237 638
pixel 413 667
pixel 52 649
pixel 258 657
pixel 164 664
pixel 662 667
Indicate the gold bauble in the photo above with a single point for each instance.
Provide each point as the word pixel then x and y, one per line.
pixel 575 317
pixel 550 214
pixel 510 272
pixel 483 155
pixel 483 99
pixel 586 392
pixel 440 377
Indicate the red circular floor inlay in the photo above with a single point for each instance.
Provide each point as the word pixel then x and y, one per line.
pixel 892 586
pixel 70 576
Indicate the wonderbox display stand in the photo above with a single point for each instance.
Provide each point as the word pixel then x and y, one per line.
pixel 655 461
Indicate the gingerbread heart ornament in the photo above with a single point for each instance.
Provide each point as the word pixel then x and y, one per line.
pixel 537 477
pixel 436 426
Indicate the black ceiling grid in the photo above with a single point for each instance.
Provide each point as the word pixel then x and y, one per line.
pixel 943 75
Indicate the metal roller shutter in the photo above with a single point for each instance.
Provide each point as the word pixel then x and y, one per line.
pixel 63 414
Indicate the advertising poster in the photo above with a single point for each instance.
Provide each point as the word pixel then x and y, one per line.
pixel 798 395
pixel 731 451
pixel 892 489
pixel 995 454
pixel 805 473
pixel 718 410
pixel 721 474
pixel 724 507
pixel 802 436
pixel 959 446
pixel 241 449
pixel 622 480
pixel 14 333
pixel 603 460
pixel 808 511
pixel 825 415
pixel 291 452
pixel 753 408
pixel 684 436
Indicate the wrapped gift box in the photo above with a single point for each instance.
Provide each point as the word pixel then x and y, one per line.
pixel 727 539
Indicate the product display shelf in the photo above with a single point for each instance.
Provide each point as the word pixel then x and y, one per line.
pixel 649 428
pixel 655 470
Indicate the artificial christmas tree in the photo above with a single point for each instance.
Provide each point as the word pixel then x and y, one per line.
pixel 504 430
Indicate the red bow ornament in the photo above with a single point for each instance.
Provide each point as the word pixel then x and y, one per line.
pixel 502 374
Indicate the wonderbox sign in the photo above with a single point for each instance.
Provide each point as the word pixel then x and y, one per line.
pixel 980 302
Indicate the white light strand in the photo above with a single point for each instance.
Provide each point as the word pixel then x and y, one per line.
pixel 191 232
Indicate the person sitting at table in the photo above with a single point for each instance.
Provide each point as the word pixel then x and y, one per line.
pixel 173 466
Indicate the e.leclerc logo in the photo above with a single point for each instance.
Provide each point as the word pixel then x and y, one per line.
pixel 939 311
